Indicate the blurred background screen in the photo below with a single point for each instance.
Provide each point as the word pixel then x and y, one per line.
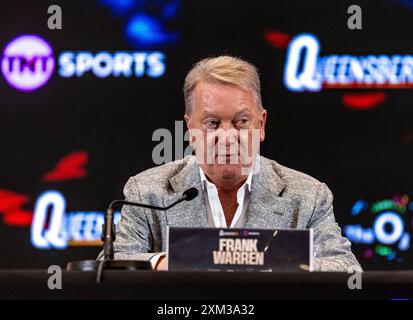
pixel 79 107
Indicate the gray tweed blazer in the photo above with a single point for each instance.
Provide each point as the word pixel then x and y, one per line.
pixel 281 198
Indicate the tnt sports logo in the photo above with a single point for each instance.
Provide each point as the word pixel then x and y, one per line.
pixel 27 62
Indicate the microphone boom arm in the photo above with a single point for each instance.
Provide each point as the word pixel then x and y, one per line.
pixel 109 229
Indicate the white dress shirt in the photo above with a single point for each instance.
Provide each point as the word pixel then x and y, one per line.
pixel 215 212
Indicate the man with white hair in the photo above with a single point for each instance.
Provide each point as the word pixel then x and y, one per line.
pixel 238 187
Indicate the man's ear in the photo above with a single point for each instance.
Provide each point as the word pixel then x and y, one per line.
pixel 188 125
pixel 186 118
pixel 263 121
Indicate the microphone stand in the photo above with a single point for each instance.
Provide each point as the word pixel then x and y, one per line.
pixel 109 236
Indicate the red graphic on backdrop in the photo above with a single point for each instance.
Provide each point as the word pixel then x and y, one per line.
pixel 69 167
pixel 277 38
pixel 364 101
pixel 11 207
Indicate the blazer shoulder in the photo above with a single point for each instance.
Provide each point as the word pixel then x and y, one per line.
pixel 156 179
pixel 294 179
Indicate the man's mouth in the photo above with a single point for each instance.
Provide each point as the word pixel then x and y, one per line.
pixel 227 155
pixel 227 158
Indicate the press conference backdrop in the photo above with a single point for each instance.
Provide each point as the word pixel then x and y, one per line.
pixel 79 108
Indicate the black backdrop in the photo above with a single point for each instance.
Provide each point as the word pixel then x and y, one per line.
pixel 361 154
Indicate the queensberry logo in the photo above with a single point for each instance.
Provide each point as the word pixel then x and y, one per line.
pixel 28 62
pixel 55 228
pixel 306 70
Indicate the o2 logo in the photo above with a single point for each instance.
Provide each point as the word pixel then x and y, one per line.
pixel 27 62
pixel 388 233
pixel 389 229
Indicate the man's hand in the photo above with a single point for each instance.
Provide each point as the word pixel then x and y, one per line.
pixel 161 265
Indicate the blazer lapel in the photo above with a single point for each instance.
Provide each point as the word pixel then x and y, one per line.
pixel 187 213
pixel 267 209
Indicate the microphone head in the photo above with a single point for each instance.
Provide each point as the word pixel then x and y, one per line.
pixel 190 194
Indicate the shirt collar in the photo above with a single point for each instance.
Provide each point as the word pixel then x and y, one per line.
pixel 204 179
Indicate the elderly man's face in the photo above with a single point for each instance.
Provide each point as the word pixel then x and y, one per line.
pixel 226 126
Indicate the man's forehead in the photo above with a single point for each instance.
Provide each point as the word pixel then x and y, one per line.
pixel 206 111
pixel 209 94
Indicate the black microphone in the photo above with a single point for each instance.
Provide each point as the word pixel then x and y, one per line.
pixel 109 229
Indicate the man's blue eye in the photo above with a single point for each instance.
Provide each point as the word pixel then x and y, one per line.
pixel 241 122
pixel 212 124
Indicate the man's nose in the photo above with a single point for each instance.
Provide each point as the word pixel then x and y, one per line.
pixel 227 136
